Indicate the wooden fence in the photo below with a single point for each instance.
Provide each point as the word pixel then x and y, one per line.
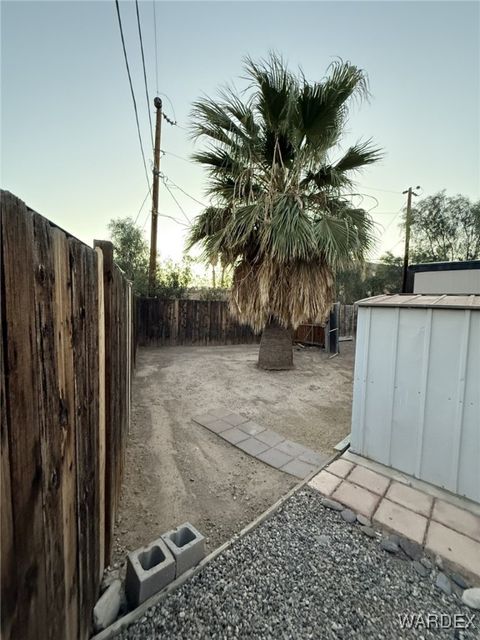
pixel 199 322
pixel 65 397
pixel 188 322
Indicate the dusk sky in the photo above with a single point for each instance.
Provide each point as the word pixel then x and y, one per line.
pixel 69 142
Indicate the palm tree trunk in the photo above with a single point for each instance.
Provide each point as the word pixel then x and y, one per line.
pixel 276 347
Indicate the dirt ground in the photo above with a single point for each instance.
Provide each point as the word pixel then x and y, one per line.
pixel 177 471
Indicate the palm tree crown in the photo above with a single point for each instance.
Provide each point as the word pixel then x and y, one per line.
pixel 278 215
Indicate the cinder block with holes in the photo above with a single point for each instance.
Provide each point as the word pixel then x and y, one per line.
pixel 187 546
pixel 149 569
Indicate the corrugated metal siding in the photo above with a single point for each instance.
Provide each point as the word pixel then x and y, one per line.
pixel 417 301
pixel 416 404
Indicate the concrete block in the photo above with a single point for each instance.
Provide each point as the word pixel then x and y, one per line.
pixel 187 546
pixel 463 552
pixel 217 426
pixel 108 606
pixel 251 427
pixel 252 446
pixel 234 435
pixel 357 498
pixel 234 419
pixel 298 468
pixel 340 467
pixel 410 498
pixel 312 457
pixel 274 458
pixel 369 479
pixel 291 448
pixel 459 519
pixel 149 569
pixel 396 518
pixel 325 482
pixel 270 437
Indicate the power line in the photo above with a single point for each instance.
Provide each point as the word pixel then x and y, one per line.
pixel 386 213
pixel 132 92
pixel 384 190
pixel 174 123
pixel 175 155
pixel 393 219
pixel 185 192
pixel 169 120
pixel 156 47
pixel 144 70
pixel 176 201
pixel 164 215
pixel 171 104
pixel 145 221
pixel 182 224
pixel 142 205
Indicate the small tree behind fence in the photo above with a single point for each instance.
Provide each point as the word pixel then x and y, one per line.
pixel 66 359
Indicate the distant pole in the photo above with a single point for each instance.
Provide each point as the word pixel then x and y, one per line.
pixel 156 170
pixel 409 193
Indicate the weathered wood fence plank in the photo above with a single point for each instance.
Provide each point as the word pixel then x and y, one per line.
pixel 56 340
pixel 63 331
pixel 101 409
pixel 8 591
pixel 28 581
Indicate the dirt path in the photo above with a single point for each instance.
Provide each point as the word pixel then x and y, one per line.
pixel 177 471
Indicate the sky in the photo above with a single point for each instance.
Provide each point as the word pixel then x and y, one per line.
pixel 69 145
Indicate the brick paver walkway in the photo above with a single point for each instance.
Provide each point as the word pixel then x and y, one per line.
pixel 264 444
pixel 447 530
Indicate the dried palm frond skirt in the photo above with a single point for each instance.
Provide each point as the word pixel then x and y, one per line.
pixel 293 293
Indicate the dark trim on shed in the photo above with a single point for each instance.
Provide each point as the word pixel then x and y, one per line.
pixel 444 266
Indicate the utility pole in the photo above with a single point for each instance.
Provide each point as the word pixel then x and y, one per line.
pixel 409 193
pixel 156 171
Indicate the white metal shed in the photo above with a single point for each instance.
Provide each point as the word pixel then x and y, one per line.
pixel 416 397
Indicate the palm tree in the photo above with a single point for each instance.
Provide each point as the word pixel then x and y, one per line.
pixel 280 215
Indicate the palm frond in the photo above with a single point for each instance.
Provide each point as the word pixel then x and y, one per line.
pixel 358 156
pixel 287 234
pixel 211 221
pixel 275 86
pixel 218 161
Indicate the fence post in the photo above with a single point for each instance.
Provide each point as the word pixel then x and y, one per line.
pixel 101 406
pixel 129 350
pixel 106 249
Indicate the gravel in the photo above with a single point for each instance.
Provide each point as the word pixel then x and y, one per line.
pixel 411 548
pixel 389 545
pixel 459 580
pixel 443 583
pixel 364 520
pixel 348 515
pixel 420 569
pixel 304 573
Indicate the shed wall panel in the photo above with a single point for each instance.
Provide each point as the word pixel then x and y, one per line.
pixel 379 377
pixel 416 400
pixel 407 392
pixel 469 456
pixel 441 397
